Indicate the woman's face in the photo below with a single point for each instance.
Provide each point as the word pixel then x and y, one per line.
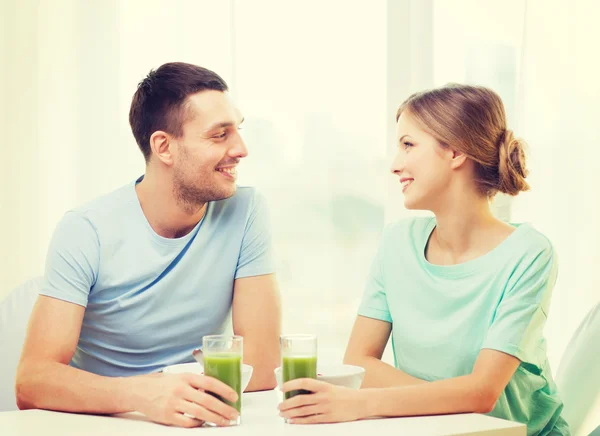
pixel 422 164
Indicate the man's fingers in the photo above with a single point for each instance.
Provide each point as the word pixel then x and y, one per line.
pixel 211 403
pixel 184 421
pixel 202 413
pixel 212 385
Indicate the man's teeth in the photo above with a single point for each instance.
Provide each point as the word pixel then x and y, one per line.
pixel 231 171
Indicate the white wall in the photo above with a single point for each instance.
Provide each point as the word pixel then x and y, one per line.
pixel 559 113
pixel 20 203
pixel 69 69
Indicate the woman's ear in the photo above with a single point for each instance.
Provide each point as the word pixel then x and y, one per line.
pixel 458 158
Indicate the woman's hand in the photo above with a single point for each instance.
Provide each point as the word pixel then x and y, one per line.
pixel 327 403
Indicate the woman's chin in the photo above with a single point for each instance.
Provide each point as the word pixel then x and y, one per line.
pixel 410 205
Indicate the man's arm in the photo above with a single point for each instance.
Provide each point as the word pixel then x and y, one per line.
pixel 256 314
pixel 46 381
pixel 366 345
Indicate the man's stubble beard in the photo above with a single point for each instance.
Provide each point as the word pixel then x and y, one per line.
pixel 191 197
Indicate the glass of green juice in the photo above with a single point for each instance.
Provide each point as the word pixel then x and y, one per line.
pixel 298 359
pixel 223 361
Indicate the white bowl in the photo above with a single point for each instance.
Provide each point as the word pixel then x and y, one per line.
pixel 349 376
pixel 196 368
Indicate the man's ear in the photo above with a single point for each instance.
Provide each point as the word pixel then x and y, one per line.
pixel 161 144
pixel 457 159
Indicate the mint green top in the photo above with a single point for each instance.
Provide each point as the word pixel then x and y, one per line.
pixel 442 316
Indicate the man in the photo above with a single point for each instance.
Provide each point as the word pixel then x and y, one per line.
pixel 136 278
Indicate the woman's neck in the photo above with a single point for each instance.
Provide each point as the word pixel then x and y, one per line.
pixel 465 229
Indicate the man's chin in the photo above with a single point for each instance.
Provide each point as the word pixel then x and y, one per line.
pixel 203 196
pixel 226 193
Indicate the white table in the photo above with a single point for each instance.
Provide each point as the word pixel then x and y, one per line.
pixel 259 417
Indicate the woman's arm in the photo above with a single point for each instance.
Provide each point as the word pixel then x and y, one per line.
pixel 366 345
pixel 476 392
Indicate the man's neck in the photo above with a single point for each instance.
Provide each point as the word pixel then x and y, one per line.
pixel 162 210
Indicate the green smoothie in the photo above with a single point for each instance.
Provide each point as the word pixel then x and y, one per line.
pixel 226 367
pixel 298 367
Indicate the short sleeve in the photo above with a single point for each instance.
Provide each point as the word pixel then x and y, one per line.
pixel 374 302
pixel 517 327
pixel 72 261
pixel 256 253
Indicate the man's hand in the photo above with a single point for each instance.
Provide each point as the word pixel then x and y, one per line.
pixel 167 398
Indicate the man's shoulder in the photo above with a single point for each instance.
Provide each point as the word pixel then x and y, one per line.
pixel 245 199
pixel 107 205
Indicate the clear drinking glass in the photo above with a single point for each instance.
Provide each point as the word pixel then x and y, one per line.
pixel 223 361
pixel 298 359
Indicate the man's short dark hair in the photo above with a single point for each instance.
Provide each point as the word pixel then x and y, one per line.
pixel 160 100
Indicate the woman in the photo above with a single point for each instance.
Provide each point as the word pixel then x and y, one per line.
pixel 465 294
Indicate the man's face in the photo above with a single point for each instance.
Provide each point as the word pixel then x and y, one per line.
pixel 206 156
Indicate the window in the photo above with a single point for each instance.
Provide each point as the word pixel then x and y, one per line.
pixel 312 87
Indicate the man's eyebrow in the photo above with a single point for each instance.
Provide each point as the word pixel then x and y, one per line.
pixel 224 124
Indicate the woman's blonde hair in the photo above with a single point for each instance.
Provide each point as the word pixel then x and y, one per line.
pixel 471 119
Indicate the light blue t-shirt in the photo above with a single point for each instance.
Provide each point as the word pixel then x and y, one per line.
pixel 149 300
pixel 442 316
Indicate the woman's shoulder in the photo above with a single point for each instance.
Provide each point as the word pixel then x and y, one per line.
pixel 531 240
pixel 412 228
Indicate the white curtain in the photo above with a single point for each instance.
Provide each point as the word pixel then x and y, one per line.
pixel 318 83
pixel 319 91
pixel 558 114
pixel 68 71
